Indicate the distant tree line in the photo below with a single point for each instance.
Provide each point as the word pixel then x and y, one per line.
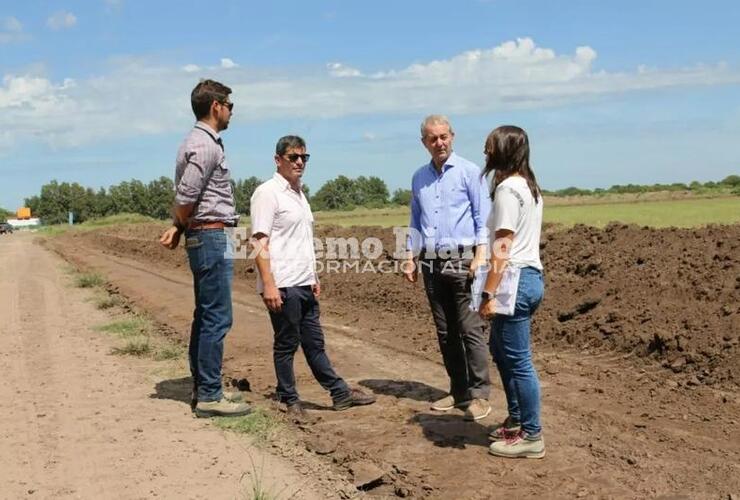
pixel 730 183
pixel 6 214
pixel 57 199
pixel 155 198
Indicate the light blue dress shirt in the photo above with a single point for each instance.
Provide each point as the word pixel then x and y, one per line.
pixel 448 209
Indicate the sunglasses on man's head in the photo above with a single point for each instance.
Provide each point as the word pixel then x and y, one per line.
pixel 294 157
pixel 229 105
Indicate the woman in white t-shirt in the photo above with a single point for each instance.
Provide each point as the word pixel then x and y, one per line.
pixel 514 289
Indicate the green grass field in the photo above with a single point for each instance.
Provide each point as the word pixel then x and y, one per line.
pixel 111 220
pixel 590 210
pixel 679 213
pixel 386 217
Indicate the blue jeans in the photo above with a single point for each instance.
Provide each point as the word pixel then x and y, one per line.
pixel 512 352
pixel 212 318
pixel 298 324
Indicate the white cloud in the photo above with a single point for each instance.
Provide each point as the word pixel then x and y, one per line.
pixel 369 136
pixel 61 20
pixel 11 30
pixel 12 25
pixel 513 75
pixel 227 63
pixel 341 71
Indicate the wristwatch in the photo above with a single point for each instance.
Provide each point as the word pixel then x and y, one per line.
pixel 486 295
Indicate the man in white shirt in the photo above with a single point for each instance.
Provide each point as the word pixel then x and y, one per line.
pixel 282 232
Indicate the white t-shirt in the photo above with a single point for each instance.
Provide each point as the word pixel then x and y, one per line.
pixel 285 217
pixel 514 209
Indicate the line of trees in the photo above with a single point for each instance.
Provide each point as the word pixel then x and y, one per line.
pixel 731 182
pixel 57 199
pixel 6 214
pixel 344 193
pixel 155 198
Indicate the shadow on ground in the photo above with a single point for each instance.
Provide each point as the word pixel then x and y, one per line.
pixel 408 389
pixel 309 405
pixel 451 431
pixel 177 389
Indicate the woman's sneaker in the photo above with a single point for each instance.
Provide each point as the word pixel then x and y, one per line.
pixel 521 445
pixel 506 429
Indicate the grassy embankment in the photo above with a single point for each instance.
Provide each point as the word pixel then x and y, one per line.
pixel 648 209
pixel 111 220
pixel 589 210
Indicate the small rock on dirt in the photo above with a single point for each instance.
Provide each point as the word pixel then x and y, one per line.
pixel 678 365
pixel 402 492
pixel 321 445
pixel 366 474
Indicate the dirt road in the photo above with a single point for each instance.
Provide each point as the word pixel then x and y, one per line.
pixel 615 428
pixel 78 422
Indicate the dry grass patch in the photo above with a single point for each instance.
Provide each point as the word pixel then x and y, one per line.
pixel 135 346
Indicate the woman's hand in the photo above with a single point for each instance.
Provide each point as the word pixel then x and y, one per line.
pixel 487 309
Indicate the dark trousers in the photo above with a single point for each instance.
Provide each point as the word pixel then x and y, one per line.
pixel 460 331
pixel 298 324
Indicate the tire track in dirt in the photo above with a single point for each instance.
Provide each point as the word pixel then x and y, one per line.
pixel 19 372
pixel 81 423
pixel 613 428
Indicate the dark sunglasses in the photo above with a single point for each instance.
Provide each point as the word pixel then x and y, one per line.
pixel 229 105
pixel 294 157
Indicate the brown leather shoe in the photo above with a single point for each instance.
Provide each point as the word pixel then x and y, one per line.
pixel 296 413
pixel 355 398
pixel 477 409
pixel 447 403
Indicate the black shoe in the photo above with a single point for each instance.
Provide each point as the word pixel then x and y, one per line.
pixel 355 398
pixel 297 414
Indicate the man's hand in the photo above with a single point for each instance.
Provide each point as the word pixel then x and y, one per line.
pixel 170 238
pixel 487 309
pixel 475 264
pixel 272 299
pixel 410 271
pixel 480 258
pixel 316 289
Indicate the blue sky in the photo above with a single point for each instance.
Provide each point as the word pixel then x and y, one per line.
pixel 97 91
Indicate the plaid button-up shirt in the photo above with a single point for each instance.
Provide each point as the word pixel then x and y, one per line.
pixel 201 173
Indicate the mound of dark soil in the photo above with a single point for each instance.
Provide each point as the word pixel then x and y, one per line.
pixel 669 295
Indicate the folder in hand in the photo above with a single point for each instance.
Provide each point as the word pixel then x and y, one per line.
pixel 504 300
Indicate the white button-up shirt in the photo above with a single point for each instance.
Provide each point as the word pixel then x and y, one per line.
pixel 285 217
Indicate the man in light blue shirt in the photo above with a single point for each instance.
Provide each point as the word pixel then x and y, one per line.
pixel 449 207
